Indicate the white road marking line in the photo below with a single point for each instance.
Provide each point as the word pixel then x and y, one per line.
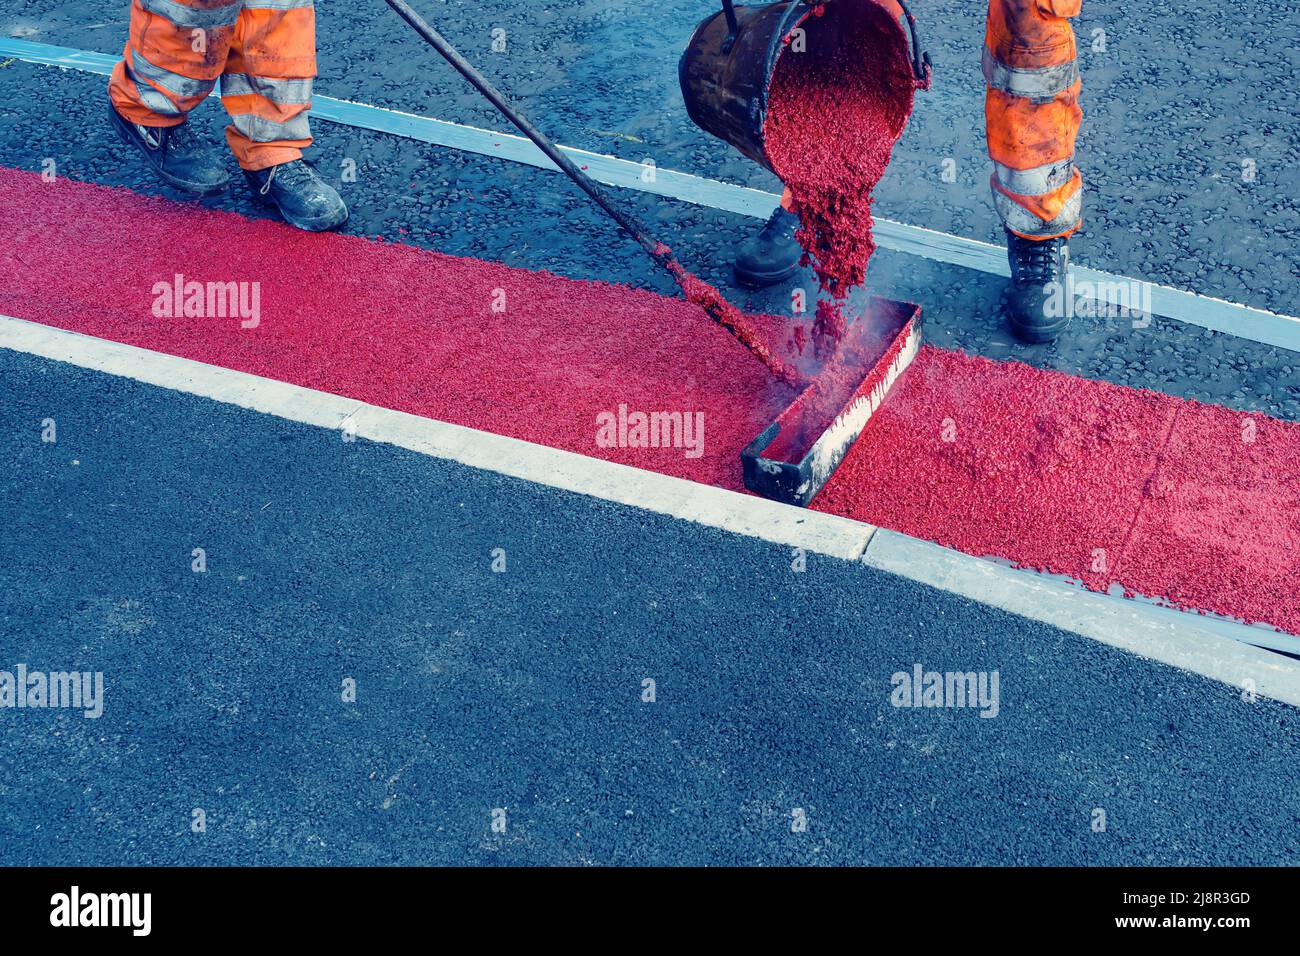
pixel 1172 637
pixel 1177 641
pixel 1231 318
pixel 676 497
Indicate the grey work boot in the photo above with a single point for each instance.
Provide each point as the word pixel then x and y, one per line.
pixel 175 154
pixel 302 197
pixel 1037 302
pixel 771 256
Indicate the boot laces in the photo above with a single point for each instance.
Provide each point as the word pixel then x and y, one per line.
pixel 294 171
pixel 1038 261
pixel 779 225
pixel 180 138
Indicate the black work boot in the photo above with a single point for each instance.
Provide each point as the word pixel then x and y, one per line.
pixel 772 255
pixel 175 154
pixel 1039 301
pixel 303 198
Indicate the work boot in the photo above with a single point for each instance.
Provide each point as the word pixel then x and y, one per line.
pixel 1038 302
pixel 303 198
pixel 175 154
pixel 772 255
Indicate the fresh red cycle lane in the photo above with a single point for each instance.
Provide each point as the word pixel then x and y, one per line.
pixel 525 354
pixel 1196 504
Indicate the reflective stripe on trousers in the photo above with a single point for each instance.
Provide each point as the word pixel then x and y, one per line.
pixel 1032 115
pixel 262 51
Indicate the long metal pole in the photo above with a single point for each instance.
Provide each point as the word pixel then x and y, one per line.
pixel 431 36
pixel 657 251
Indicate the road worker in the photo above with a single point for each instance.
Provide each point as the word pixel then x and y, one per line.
pixel 263 52
pixel 1032 116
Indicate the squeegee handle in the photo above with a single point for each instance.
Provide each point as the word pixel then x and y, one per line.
pixel 566 165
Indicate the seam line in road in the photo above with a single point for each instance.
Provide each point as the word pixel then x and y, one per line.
pixel 1152 477
pixel 1173 638
pixel 1219 315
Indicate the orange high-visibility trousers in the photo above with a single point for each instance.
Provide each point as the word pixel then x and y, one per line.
pixel 1032 115
pixel 262 51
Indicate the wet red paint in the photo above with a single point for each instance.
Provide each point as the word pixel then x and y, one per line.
pixel 1160 495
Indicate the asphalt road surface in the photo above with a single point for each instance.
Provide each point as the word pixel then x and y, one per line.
pixel 521 691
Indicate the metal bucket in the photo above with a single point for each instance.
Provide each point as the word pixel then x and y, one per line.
pixel 727 68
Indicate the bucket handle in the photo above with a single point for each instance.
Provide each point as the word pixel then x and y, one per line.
pixel 921 66
pixel 920 58
pixel 733 27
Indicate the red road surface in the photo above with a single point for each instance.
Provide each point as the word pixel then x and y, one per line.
pixel 1169 498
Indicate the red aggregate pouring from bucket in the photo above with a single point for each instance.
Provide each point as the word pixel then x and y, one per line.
pixel 836 108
